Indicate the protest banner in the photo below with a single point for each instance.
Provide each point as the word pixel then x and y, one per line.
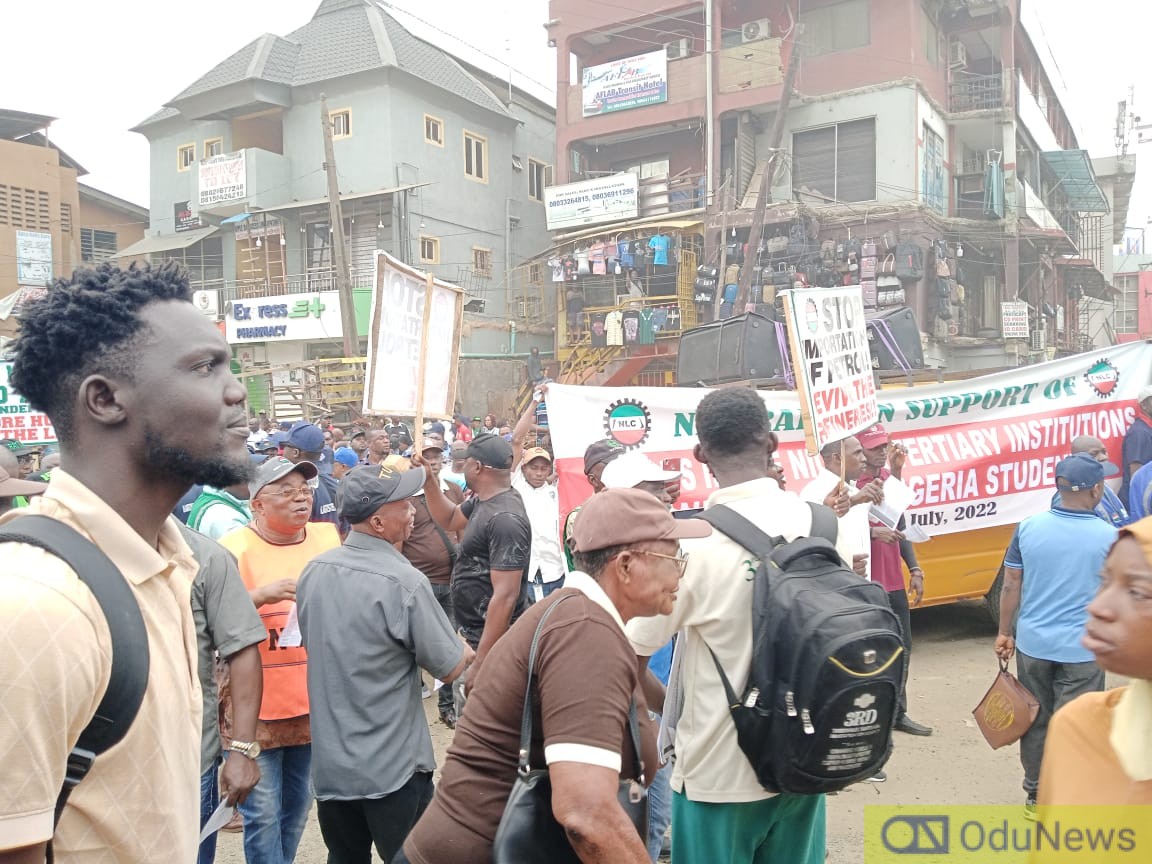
pixel 17 418
pixel 409 347
pixel 828 340
pixel 981 452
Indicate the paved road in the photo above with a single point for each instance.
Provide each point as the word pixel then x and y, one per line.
pixel 952 666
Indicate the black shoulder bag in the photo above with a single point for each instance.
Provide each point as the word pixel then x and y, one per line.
pixel 130 659
pixel 528 832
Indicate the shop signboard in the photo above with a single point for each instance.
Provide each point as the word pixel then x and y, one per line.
pixel 286 318
pixel 33 258
pixel 591 202
pixel 1014 319
pixel 624 84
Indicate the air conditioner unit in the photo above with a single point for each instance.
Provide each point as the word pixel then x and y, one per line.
pixel 1038 340
pixel 678 48
pixel 754 31
pixel 957 55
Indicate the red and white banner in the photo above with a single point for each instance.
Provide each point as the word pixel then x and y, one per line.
pixel 981 452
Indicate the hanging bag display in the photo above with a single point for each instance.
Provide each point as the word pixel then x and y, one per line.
pixel 909 262
pixel 887 266
pixel 528 832
pixel 942 270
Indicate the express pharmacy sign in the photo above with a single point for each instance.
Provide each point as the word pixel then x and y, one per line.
pixel 287 318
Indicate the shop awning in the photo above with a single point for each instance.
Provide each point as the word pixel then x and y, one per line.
pixel 166 242
pixel 1073 170
pixel 675 219
pixel 348 196
pixel 239 217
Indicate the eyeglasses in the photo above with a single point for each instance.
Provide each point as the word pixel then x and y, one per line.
pixel 681 557
pixel 289 494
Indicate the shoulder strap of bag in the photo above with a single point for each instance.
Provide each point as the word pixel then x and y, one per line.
pixel 526 716
pixel 130 660
pixel 730 523
pixel 824 522
pixel 453 554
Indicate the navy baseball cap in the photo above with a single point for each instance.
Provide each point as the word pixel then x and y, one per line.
pixel 490 450
pixel 367 488
pixel 306 437
pixel 1081 471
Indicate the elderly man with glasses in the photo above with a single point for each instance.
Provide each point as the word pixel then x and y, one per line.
pixel 272 552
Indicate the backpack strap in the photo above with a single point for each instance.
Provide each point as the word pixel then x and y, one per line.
pixel 130 660
pixel 824 522
pixel 740 529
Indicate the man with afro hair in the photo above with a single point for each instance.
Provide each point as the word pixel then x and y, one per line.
pixel 137 383
pixel 720 812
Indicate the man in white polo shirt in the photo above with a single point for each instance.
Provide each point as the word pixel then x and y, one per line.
pixel 532 478
pixel 835 487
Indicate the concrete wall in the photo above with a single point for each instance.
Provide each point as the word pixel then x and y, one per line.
pixel 490 386
pixel 128 230
pixel 31 167
pixel 897 135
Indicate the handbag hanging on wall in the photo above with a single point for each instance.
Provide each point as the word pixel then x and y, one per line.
pixel 528 832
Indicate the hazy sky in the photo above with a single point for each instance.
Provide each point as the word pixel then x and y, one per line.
pixel 102 67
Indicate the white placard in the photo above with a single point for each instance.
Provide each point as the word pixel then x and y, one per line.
pixel 223 179
pixel 828 338
pixel 394 352
pixel 590 202
pixel 33 258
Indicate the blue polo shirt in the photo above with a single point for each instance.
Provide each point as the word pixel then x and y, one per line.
pixel 1137 448
pixel 1139 497
pixel 1111 509
pixel 1061 553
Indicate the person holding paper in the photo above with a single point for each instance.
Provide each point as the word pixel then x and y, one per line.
pixel 889 547
pixel 371 621
pixel 272 552
pixel 843 464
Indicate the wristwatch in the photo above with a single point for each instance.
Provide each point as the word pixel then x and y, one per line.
pixel 249 748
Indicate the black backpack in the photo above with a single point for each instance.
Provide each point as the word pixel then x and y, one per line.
pixel 827 661
pixel 130 658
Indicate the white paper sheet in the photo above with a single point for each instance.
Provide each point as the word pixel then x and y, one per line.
pixel 290 636
pixel 917 534
pixel 217 821
pixel 897 498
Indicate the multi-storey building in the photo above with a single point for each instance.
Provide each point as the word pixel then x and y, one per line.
pixel 926 123
pixel 49 222
pixel 439 163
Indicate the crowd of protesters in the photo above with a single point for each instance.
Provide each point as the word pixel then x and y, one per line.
pixel 318 582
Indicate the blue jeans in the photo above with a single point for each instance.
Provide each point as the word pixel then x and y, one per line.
pixel 209 801
pixel 277 809
pixel 659 804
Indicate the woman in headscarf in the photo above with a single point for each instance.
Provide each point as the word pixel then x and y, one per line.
pixel 1099 748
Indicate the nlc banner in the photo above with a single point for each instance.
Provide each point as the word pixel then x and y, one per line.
pixel 981 452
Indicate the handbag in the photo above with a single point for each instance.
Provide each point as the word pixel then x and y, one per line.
pixel 1007 710
pixel 528 833
pixel 888 265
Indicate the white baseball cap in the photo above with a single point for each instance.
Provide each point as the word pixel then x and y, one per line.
pixel 633 468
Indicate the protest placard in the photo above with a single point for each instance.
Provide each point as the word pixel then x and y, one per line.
pixel 413 344
pixel 828 340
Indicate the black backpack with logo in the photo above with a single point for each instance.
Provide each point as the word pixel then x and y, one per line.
pixel 817 712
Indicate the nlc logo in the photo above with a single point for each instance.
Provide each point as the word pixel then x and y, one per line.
pixel 627 422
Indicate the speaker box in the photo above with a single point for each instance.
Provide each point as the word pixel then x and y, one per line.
pixel 894 328
pixel 737 349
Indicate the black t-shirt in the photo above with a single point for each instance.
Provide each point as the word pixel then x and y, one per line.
pixel 400 430
pixel 498 537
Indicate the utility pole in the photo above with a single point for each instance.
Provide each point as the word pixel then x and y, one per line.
pixel 339 250
pixel 774 139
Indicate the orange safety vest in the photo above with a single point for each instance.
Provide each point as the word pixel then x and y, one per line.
pixel 285 669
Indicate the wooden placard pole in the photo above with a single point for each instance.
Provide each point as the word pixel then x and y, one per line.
pixel 798 374
pixel 421 373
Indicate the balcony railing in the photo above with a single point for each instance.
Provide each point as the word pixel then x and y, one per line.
pixel 278 286
pixel 977 93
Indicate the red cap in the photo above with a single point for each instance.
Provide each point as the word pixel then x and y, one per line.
pixel 873 436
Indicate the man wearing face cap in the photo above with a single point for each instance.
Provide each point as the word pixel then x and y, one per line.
pixel 1051 573
pixel 371 622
